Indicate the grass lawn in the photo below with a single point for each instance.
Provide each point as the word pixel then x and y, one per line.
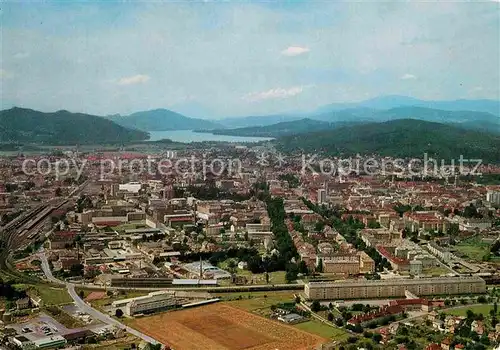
pixel 100 303
pixel 129 226
pixel 257 302
pixel 115 344
pixel 50 295
pixel 473 247
pixel 53 295
pixel 276 277
pixel 477 309
pixel 323 330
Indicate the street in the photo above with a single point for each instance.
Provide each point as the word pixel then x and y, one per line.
pixel 94 313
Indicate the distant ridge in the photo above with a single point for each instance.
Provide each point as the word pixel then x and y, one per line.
pixel 293 125
pixel 398 138
pixel 280 129
pixel 474 114
pixel 162 120
pixel 62 128
pixel 393 101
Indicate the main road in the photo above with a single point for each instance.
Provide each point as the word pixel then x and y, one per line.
pixel 94 313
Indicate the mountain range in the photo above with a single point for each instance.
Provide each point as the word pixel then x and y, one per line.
pixel 393 101
pixel 63 127
pixel 398 138
pixel 22 125
pixel 369 110
pixel 281 129
pixel 162 120
pixel 330 120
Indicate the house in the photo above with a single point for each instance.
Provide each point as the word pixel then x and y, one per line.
pixel 23 303
pixel 433 346
pixel 445 344
pixel 36 300
pixel 437 324
pixel 61 239
pixel 477 326
pixel 384 332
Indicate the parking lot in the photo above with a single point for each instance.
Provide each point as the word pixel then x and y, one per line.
pixel 40 327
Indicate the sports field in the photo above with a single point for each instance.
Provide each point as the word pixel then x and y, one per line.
pixel 223 327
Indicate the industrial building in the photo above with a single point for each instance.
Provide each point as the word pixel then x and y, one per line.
pixel 158 301
pixel 361 289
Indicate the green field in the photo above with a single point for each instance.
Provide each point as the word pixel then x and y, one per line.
pixel 54 296
pixel 130 226
pixel 473 247
pixel 50 295
pixel 276 277
pixel 477 309
pixel 100 303
pixel 257 302
pixel 323 330
pixel 115 344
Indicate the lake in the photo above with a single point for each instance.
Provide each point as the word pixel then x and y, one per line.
pixel 190 136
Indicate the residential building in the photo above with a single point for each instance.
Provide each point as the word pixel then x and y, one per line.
pixel 359 289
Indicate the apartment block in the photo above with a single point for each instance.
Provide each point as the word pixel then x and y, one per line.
pixel 359 289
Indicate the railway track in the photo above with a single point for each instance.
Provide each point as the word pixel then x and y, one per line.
pixel 24 231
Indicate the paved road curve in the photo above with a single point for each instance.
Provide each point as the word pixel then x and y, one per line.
pixel 86 307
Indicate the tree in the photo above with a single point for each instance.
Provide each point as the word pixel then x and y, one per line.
pixel 231 266
pixel 367 334
pixel 377 337
pixel 470 314
pixel 319 226
pixel 319 267
pixel 119 313
pixel 291 272
pixel 81 294
pixel 156 346
pixel 315 306
pixel 76 270
pixel 303 268
pixel 330 317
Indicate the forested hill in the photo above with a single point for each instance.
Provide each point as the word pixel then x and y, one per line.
pixel 398 138
pixel 21 125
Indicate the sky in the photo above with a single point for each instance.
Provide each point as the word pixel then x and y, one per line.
pixel 215 59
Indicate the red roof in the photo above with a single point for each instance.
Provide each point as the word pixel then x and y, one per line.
pixel 384 311
pixel 433 346
pixel 184 218
pixel 64 234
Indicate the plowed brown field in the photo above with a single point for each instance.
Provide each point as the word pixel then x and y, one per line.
pixel 223 327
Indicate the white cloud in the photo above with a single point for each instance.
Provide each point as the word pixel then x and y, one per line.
pixel 134 79
pixel 408 76
pixel 21 55
pixel 294 51
pixel 277 93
